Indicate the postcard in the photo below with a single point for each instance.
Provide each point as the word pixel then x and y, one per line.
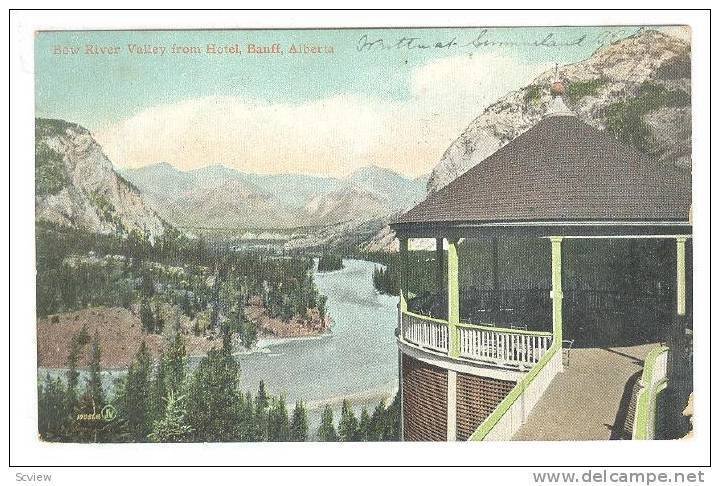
pixel 364 234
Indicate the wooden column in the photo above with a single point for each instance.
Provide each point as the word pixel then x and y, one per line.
pixel 680 270
pixel 679 383
pixel 453 286
pixel 557 293
pixel 403 274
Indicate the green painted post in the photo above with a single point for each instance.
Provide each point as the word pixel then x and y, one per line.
pixel 403 274
pixel 453 286
pixel 557 294
pixel 681 295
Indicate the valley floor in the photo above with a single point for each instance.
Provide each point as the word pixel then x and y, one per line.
pixel 120 335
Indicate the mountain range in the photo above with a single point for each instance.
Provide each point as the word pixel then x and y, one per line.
pixel 221 197
pixel 638 88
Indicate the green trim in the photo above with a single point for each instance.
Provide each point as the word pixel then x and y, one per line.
pixel 557 294
pixel 641 415
pixel 649 365
pixel 439 264
pixel 403 274
pixel 681 292
pixel 647 398
pixel 453 286
pixel 491 421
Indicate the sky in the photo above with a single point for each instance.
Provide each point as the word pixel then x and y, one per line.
pixel 394 98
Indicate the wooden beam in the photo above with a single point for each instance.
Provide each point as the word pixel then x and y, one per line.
pixel 532 230
pixel 557 293
pixel 453 286
pixel 680 271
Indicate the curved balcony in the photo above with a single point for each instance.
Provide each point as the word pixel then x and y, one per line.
pixel 486 344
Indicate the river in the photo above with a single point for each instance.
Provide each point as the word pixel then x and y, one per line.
pixel 357 360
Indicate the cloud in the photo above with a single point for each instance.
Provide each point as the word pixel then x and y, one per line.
pixel 467 84
pixel 332 136
pixel 682 32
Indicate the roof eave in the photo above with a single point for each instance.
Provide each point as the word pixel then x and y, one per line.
pixel 469 229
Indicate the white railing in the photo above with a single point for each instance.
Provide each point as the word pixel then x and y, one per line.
pixel 426 332
pixel 516 348
pixel 513 347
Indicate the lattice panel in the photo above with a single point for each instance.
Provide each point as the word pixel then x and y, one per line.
pixel 424 401
pixel 477 397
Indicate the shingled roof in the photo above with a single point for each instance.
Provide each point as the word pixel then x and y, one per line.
pixel 561 170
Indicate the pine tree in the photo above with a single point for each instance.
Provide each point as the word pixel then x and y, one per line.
pixel 147 287
pixel 135 396
pixel 186 305
pixel 245 430
pixel 377 423
pixel 299 423
pixel 227 334
pixel 175 363
pixel 159 389
pixel 326 432
pixel 212 395
pixel 320 302
pixel 77 343
pixel 278 423
pixel 260 423
pixel 247 329
pixel 329 262
pixel 364 426
pixel 92 401
pixel 348 426
pixel 52 408
pixel 146 316
pixel 262 397
pixel 72 430
pixel 173 426
pixel 94 384
pixel 391 429
pixel 158 322
pixel 261 419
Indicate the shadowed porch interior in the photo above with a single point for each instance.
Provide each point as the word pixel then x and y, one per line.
pixel 616 292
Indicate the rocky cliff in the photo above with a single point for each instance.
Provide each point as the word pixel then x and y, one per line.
pixel 638 88
pixel 76 185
